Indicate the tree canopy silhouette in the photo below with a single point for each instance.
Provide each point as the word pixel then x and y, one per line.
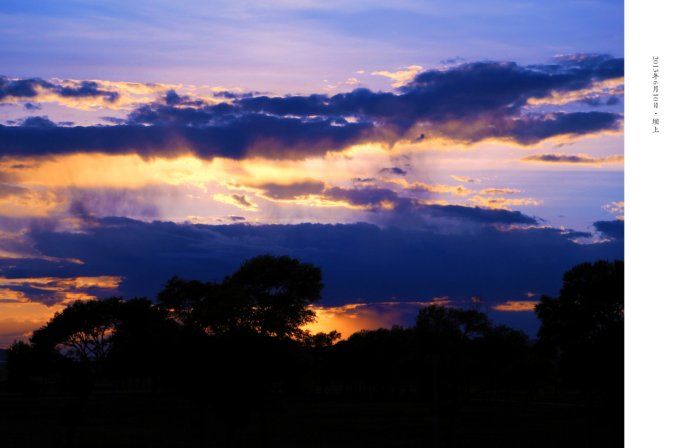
pixel 440 326
pixel 584 325
pixel 267 295
pixel 276 293
pixel 82 329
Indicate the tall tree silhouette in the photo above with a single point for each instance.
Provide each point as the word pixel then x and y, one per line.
pixel 583 327
pixel 584 324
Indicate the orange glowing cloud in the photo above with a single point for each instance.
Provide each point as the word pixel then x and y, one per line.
pixel 515 306
pixel 17 201
pixel 21 313
pixel 607 87
pixel 497 202
pixel 59 283
pixel 106 171
pixel 349 319
pixel 402 76
pixel 55 290
pixel 19 319
pixel 353 317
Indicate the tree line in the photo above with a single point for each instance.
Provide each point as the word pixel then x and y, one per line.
pixel 238 347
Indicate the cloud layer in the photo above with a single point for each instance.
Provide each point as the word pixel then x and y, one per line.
pixel 32 89
pixel 360 261
pixel 467 103
pixel 577 159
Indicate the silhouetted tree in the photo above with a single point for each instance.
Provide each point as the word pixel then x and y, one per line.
pixel 267 295
pixel 247 332
pixel 583 327
pixel 28 366
pixel 319 340
pixel 82 330
pixel 440 328
pixel 375 362
pixel 144 342
pixel 276 293
pixel 501 358
pixel 584 324
pixel 185 300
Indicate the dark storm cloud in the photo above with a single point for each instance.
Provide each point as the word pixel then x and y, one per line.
pixel 37 122
pixel 21 88
pixel 598 100
pixel 611 229
pixel 467 103
pixel 237 138
pixel 359 261
pixel 480 215
pixel 30 88
pixel 172 98
pixel 533 129
pixel 437 95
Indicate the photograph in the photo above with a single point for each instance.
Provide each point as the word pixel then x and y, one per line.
pixel 294 223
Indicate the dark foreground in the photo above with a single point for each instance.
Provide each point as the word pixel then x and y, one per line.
pixel 228 364
pixel 152 419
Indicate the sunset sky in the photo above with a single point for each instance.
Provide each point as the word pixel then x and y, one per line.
pixel 455 152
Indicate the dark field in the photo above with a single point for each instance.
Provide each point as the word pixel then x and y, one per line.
pixel 146 419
